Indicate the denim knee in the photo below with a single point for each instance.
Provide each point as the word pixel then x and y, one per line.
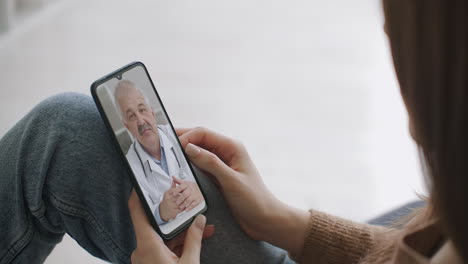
pixel 69 112
pixel 60 173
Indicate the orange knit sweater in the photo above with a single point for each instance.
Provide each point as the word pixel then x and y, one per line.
pixel 333 240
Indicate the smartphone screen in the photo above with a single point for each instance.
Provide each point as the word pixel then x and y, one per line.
pixel 166 182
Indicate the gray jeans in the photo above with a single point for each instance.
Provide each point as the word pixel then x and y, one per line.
pixel 60 173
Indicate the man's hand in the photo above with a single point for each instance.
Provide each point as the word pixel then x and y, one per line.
pixel 185 248
pixel 189 194
pixel 168 208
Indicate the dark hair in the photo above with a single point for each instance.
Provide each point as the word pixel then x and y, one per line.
pixel 429 43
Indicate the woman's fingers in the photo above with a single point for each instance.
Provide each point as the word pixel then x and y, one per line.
pixel 181 131
pixel 178 241
pixel 150 247
pixel 208 162
pixel 192 244
pixel 220 145
pixel 143 229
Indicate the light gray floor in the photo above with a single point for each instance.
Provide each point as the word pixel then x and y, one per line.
pixel 308 86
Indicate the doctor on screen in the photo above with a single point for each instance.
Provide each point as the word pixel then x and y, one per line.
pixel 159 167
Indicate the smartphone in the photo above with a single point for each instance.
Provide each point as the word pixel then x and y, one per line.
pixel 146 140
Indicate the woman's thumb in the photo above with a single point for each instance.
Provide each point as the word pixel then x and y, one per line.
pixel 193 238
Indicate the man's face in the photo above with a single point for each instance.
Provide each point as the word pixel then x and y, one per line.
pixel 139 118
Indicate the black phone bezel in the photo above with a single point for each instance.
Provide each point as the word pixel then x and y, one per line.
pixel 115 142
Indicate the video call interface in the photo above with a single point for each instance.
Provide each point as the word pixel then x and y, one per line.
pixel 151 148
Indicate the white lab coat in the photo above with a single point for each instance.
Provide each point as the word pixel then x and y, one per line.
pixel 153 180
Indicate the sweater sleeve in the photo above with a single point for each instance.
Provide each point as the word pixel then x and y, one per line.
pixel 331 239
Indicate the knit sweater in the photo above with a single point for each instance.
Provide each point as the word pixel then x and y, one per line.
pixel 334 240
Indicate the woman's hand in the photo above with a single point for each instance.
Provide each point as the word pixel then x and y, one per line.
pixel 185 248
pixel 259 213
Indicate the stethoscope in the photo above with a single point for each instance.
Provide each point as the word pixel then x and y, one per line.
pixel 141 161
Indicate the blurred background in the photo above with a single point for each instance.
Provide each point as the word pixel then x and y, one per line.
pixel 307 85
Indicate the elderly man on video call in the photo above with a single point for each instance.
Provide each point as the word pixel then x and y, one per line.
pixel 159 167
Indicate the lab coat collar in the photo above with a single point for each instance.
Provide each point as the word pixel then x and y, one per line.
pixel 147 159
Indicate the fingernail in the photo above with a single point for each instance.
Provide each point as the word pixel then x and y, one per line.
pixel 200 221
pixel 192 150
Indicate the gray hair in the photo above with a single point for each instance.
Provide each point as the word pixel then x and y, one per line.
pixel 121 90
